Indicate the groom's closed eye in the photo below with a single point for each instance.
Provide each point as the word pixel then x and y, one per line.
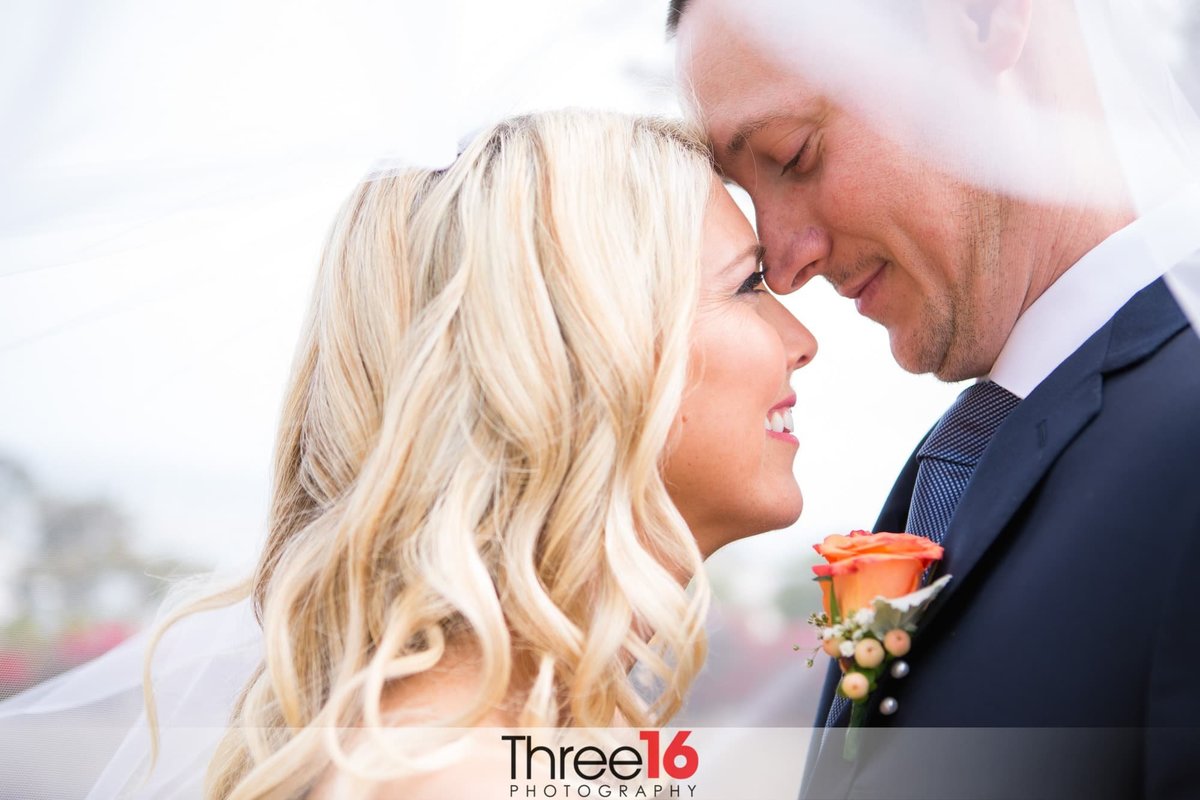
pixel 805 159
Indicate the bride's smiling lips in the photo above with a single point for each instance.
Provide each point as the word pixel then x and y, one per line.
pixel 779 423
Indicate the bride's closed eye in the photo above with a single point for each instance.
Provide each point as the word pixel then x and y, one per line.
pixel 753 281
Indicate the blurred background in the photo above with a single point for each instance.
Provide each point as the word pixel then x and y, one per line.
pixel 167 176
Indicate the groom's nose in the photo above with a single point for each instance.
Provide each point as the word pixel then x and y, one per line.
pixel 797 247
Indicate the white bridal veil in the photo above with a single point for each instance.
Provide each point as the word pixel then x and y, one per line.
pixel 219 110
pixel 167 173
pixel 85 734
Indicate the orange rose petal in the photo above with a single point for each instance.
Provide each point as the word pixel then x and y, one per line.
pixel 858 584
pixel 863 566
pixel 838 547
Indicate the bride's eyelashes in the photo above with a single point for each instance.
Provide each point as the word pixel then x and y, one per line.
pixel 753 281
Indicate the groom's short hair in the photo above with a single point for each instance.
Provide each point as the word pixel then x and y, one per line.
pixel 674 12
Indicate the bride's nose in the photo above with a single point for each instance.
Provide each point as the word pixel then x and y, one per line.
pixel 798 342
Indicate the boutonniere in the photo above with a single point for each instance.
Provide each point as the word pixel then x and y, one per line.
pixel 873 601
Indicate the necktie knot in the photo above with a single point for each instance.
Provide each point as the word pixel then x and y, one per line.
pixel 963 433
pixel 947 459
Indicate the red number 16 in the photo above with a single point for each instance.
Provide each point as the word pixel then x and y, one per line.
pixel 675 750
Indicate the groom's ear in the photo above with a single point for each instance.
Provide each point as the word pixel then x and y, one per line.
pixel 995 31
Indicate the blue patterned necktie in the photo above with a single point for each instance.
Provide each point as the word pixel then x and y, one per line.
pixel 950 453
pixel 944 466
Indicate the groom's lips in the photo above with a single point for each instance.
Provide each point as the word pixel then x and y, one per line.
pixel 862 291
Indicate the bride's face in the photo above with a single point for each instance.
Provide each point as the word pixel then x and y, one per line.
pixel 729 466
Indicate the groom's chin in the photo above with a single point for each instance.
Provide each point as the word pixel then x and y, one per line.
pixel 954 346
pixel 920 350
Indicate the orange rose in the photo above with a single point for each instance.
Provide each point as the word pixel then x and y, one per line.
pixel 863 566
pixel 858 543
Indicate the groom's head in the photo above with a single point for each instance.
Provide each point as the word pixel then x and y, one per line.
pixel 840 158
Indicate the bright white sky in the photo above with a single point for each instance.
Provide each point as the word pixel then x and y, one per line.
pixel 167 173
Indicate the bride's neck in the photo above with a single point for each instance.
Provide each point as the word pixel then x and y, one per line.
pixel 450 688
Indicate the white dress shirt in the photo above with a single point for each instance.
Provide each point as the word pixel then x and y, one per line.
pixel 1089 293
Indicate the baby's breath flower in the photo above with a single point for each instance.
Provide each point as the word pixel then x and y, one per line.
pixel 847 649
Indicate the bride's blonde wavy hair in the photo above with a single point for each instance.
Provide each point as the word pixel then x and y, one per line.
pixel 471 447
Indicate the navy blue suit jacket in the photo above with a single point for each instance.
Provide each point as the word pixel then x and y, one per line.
pixel 1063 659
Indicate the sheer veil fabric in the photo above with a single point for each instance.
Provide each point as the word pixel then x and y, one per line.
pixel 147 150
pixel 1108 126
pixel 151 153
pixel 421 79
pixel 1156 130
pixel 92 717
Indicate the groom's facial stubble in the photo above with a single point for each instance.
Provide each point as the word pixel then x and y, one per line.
pixel 918 250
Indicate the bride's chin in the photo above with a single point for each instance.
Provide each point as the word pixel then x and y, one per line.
pixel 781 516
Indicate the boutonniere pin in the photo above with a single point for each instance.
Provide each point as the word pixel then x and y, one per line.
pixel 873 600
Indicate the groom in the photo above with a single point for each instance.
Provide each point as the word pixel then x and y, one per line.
pixel 1063 658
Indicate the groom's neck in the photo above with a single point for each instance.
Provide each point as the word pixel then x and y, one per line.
pixel 1053 240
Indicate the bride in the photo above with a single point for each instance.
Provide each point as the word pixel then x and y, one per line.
pixel 533 392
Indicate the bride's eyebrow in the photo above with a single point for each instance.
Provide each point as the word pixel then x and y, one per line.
pixel 756 250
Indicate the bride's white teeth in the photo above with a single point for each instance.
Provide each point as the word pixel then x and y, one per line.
pixel 776 422
pixel 789 424
pixel 766 423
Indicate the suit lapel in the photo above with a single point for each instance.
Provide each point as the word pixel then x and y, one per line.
pixel 1029 442
pixel 1025 447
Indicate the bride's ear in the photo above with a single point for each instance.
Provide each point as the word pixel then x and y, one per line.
pixel 992 31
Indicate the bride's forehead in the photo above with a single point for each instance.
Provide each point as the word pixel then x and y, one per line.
pixel 729 238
